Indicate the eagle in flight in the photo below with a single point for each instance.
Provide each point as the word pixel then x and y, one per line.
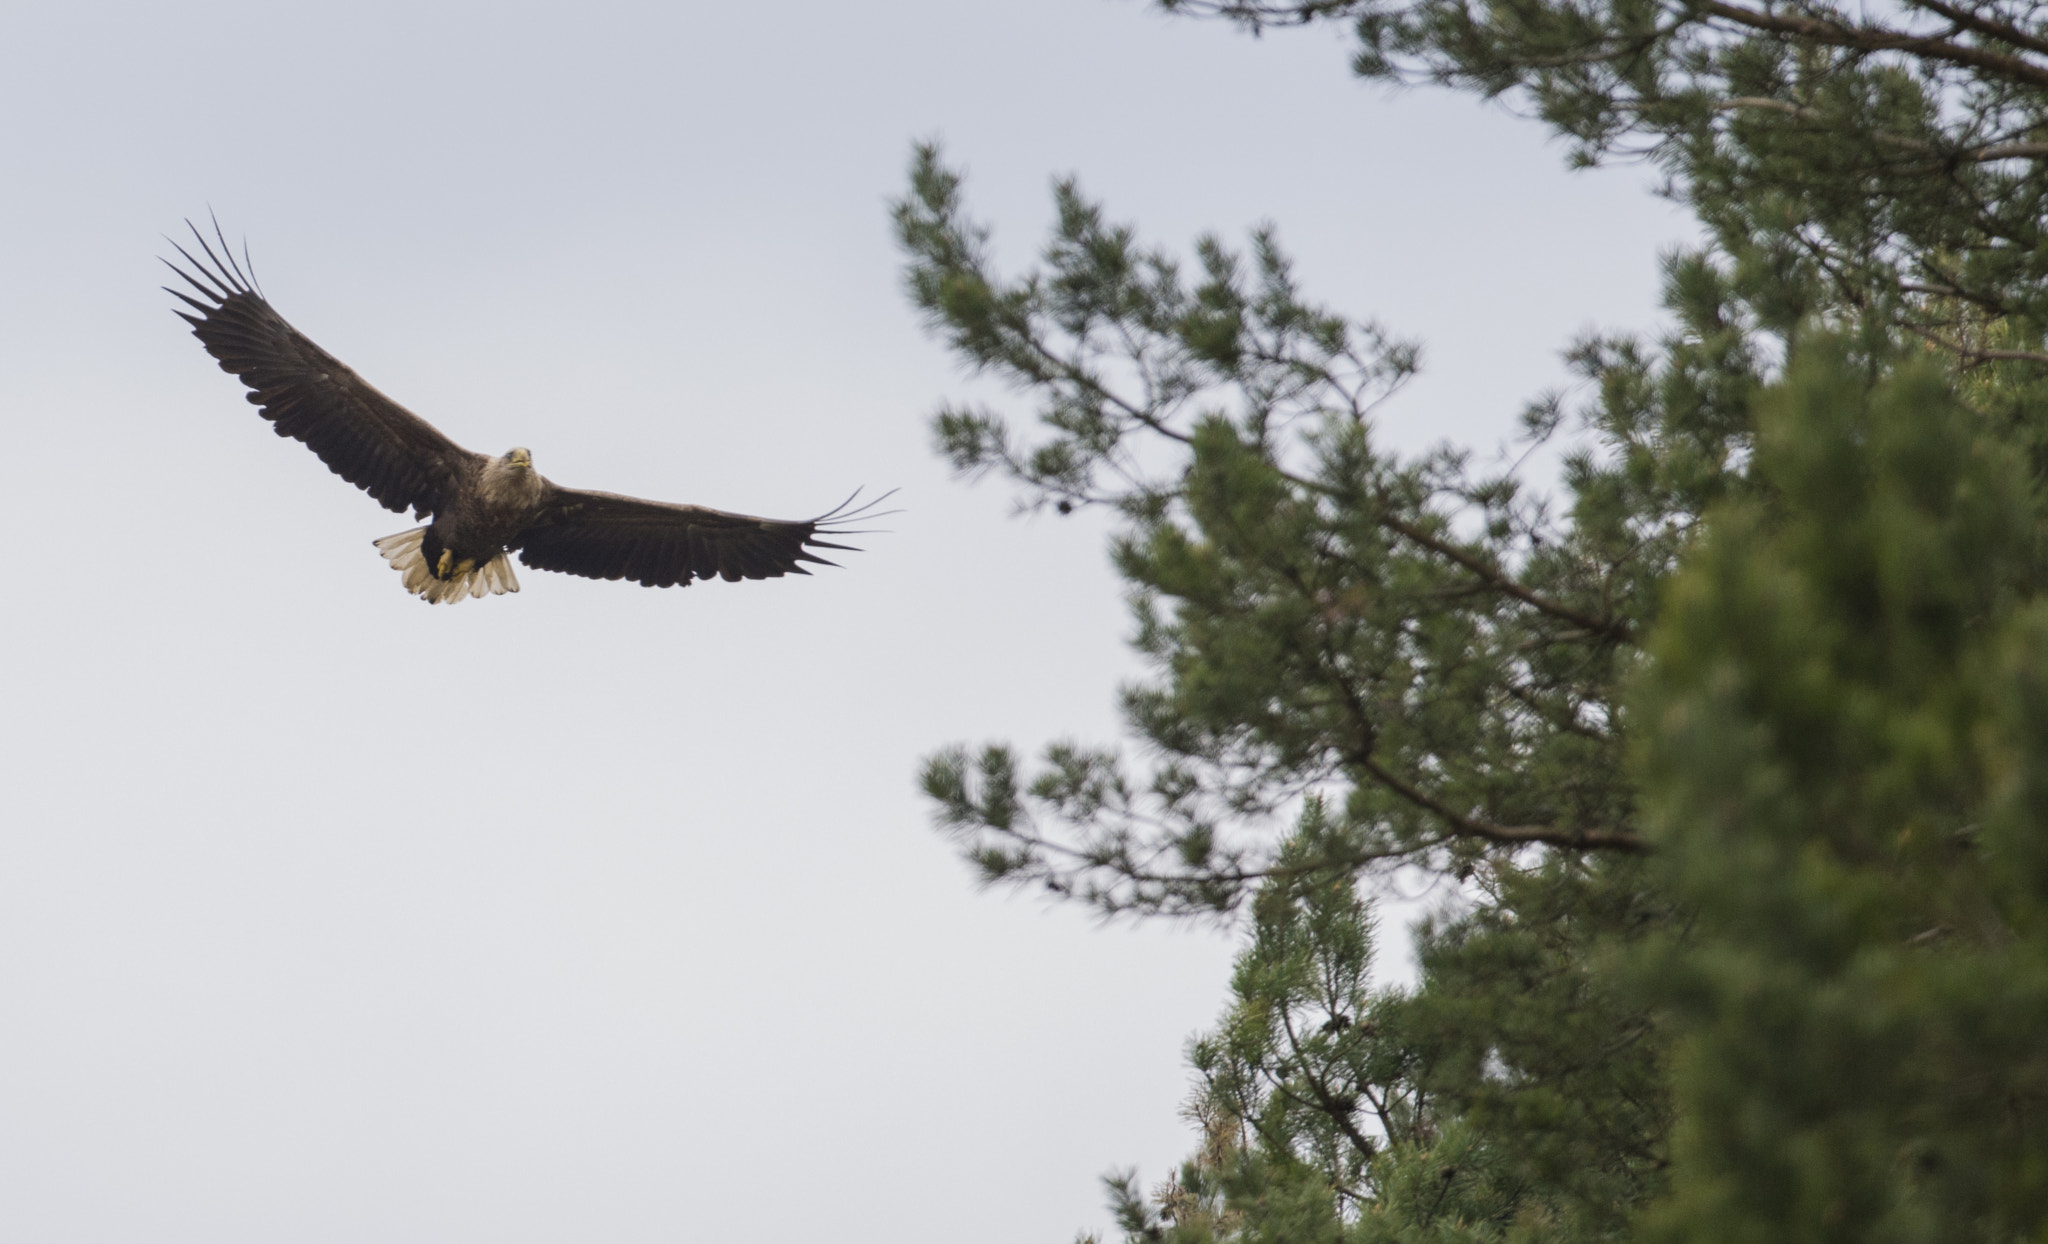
pixel 482 508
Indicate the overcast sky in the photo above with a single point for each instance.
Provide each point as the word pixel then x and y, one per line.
pixel 595 912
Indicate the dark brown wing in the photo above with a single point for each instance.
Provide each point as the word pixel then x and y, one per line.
pixel 601 535
pixel 363 436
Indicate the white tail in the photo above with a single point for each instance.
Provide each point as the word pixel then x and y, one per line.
pixel 403 552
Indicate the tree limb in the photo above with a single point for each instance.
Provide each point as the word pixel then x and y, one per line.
pixel 1979 155
pixel 1878 39
pixel 1519 835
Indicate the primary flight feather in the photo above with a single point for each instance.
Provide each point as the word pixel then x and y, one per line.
pixel 483 508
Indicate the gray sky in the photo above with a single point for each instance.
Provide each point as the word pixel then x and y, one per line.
pixel 599 912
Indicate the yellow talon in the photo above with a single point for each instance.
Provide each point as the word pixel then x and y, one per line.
pixel 441 567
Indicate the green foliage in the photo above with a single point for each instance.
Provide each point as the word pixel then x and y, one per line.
pixel 1361 661
pixel 1425 644
pixel 1517 1094
pixel 1533 1043
pixel 1845 694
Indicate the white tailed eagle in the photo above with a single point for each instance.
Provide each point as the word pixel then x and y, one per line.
pixel 483 508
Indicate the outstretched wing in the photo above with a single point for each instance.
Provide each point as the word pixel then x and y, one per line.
pixel 363 436
pixel 602 535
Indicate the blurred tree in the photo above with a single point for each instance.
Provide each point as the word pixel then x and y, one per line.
pixel 1843 764
pixel 1727 745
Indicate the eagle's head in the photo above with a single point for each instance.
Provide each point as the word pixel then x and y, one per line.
pixel 520 457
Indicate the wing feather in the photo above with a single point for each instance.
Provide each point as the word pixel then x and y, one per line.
pixel 307 394
pixel 602 535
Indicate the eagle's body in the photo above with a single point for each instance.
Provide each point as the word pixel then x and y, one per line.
pixel 482 508
pixel 462 552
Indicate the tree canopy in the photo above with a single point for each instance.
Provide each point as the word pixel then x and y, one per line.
pixel 1733 741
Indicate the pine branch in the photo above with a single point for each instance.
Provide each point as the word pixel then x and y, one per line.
pixel 2001 31
pixel 1518 835
pixel 1978 155
pixel 1879 39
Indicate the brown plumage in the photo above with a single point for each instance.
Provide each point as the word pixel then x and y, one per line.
pixel 481 507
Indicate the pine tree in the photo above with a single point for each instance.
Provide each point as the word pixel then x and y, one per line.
pixel 1732 742
pixel 1843 767
pixel 1363 661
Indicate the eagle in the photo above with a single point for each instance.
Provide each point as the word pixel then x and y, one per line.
pixel 482 508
